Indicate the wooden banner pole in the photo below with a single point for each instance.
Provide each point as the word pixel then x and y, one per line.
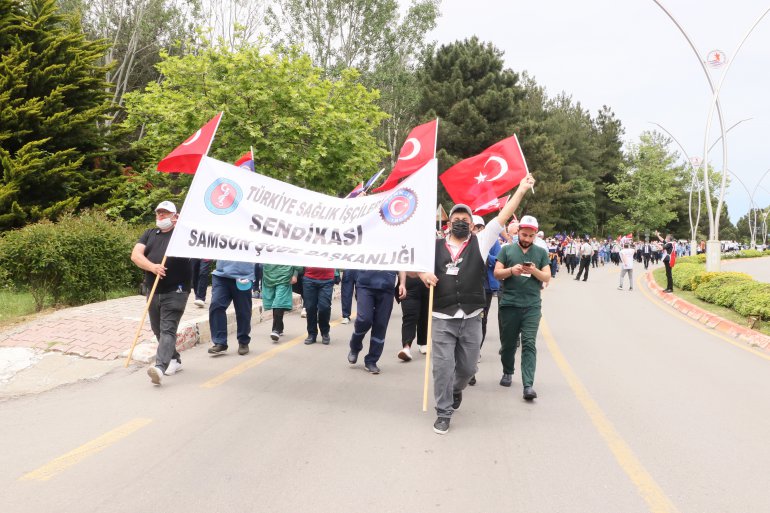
pixel 144 315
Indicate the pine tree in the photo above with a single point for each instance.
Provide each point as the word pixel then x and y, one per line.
pixel 52 97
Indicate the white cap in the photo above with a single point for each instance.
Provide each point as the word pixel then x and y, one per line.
pixel 478 220
pixel 166 205
pixel 528 222
pixel 541 234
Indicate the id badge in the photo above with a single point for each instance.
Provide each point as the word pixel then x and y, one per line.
pixel 452 270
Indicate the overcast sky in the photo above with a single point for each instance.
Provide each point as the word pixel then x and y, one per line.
pixel 628 55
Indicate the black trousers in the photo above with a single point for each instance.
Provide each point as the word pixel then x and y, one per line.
pixel 669 279
pixel 485 314
pixel 585 262
pixel 414 309
pixel 646 257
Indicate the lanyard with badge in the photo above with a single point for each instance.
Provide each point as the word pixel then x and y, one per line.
pixel 452 268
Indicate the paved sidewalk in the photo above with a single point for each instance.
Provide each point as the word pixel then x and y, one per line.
pixel 105 330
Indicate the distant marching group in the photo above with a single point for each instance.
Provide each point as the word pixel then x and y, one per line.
pixel 474 262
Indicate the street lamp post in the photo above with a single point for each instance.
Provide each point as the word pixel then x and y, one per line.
pixel 713 254
pixel 695 165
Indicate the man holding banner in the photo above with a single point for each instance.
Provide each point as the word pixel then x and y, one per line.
pixel 174 277
pixel 459 300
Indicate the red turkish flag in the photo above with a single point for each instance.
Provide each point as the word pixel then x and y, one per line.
pixel 418 149
pixel 490 174
pixel 491 206
pixel 186 157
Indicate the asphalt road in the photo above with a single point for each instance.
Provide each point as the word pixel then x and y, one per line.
pixel 759 268
pixel 639 410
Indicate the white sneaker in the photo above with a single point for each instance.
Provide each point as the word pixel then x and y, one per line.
pixel 423 349
pixel 174 366
pixel 156 375
pixel 275 336
pixel 345 320
pixel 199 303
pixel 304 313
pixel 405 354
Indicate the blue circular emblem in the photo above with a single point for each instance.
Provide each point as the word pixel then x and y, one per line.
pixel 399 207
pixel 223 196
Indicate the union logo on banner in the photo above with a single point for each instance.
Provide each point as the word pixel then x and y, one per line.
pixel 716 58
pixel 399 207
pixel 223 196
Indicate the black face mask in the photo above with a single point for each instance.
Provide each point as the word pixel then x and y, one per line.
pixel 460 229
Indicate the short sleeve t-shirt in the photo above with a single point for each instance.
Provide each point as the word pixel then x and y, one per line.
pixel 522 290
pixel 178 270
pixel 627 258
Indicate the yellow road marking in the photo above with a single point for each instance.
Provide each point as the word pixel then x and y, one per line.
pixel 679 315
pixel 263 357
pixel 649 490
pixel 73 457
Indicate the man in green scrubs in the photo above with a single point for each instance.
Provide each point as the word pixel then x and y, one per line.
pixel 522 268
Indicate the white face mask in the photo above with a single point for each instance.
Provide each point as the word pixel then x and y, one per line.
pixel 164 224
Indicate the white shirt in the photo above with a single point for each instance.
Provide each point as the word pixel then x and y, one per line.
pixel 627 258
pixel 586 249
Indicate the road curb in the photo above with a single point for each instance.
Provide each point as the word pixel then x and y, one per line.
pixel 192 332
pixel 708 319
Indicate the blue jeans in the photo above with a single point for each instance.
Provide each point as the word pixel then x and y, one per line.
pixel 317 296
pixel 348 283
pixel 373 308
pixel 223 292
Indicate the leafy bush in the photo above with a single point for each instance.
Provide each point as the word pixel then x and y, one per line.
pixel 705 277
pixel 75 261
pixel 723 290
pixel 749 253
pixel 30 259
pixel 755 302
pixel 684 273
pixel 695 259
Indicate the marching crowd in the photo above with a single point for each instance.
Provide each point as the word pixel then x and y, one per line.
pixel 475 261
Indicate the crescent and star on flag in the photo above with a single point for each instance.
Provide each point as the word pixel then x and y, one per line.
pixel 503 169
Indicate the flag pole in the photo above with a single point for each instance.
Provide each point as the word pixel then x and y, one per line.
pixel 523 159
pixel 428 352
pixel 144 315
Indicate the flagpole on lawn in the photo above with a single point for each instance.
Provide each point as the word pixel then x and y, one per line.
pixel 428 352
pixel 144 314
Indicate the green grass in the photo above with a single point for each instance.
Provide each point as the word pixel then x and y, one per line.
pixel 20 306
pixel 731 315
pixel 15 306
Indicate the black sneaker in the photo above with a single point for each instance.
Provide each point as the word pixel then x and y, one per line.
pixel 325 339
pixel 217 349
pixel 243 349
pixel 472 381
pixel 372 367
pixel 506 380
pixel 275 336
pixel 529 393
pixel 309 340
pixel 352 357
pixel 441 426
pixel 457 398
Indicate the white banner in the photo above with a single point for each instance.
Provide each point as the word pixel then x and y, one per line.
pixel 234 214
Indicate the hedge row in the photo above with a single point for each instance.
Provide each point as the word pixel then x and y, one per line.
pixel 729 289
pixel 75 261
pixel 701 259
